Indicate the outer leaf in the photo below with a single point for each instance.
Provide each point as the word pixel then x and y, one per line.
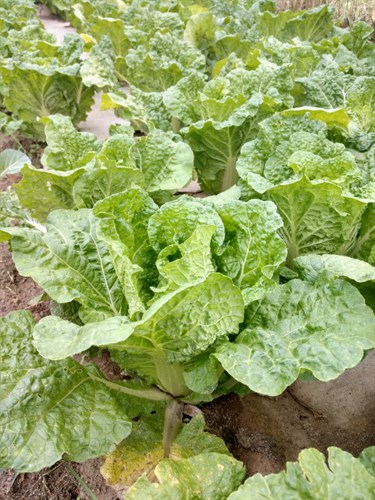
pixel 123 220
pixel 162 62
pixel 42 191
pixel 324 87
pixel 98 70
pixel 12 161
pixel 70 263
pixel 252 250
pixel 331 117
pixel 144 110
pixel 323 328
pixel 367 458
pixel 186 322
pixel 317 218
pixel 143 450
pixel 117 149
pixel 201 375
pixel 345 477
pixel 361 103
pixel 311 266
pixel 166 165
pixel 39 397
pixel 312 24
pixel 57 339
pixel 181 99
pixel 365 245
pixel 67 148
pixel 216 149
pixel 98 184
pixel 207 476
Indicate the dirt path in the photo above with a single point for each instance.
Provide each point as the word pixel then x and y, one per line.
pixel 98 122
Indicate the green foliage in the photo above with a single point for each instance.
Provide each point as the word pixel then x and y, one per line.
pixel 310 477
pixel 270 279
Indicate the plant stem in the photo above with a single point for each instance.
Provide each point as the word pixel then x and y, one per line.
pixel 172 423
pixel 151 393
pixel 230 174
pixel 170 376
pixel 18 142
pixel 81 482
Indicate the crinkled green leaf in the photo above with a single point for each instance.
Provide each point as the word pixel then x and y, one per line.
pixel 181 99
pixel 313 24
pixel 32 92
pixel 98 70
pixel 67 148
pixel 97 184
pixel 317 218
pixel 364 247
pixel 165 164
pixel 252 248
pixel 11 210
pixel 187 214
pixel 206 476
pixel 144 110
pixel 367 458
pixel 311 266
pixel 115 30
pixel 39 397
pixel 361 103
pixel 143 450
pixel 201 374
pixel 8 125
pixel 345 477
pixel 122 225
pixel 325 87
pixel 117 150
pixel 216 151
pixel 162 62
pixel 186 322
pixel 70 263
pixel 42 191
pixel 12 161
pixel 186 263
pixel 323 328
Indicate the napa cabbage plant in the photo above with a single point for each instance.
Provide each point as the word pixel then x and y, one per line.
pixel 190 310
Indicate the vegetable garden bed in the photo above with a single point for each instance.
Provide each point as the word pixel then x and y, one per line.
pixel 252 303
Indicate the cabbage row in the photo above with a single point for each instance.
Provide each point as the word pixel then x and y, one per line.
pixel 268 279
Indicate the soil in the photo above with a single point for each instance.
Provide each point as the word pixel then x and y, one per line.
pixel 18 292
pixel 266 432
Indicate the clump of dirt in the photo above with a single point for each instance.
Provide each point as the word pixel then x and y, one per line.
pixel 32 149
pixel 266 432
pixel 57 483
pixel 18 291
